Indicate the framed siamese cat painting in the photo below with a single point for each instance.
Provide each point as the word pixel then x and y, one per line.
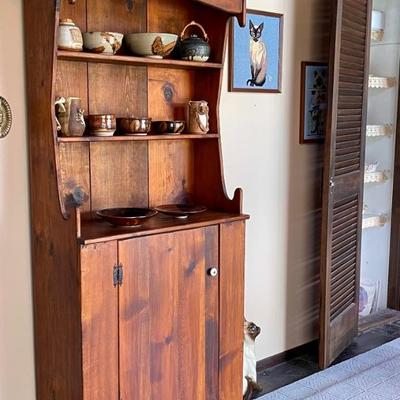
pixel 256 53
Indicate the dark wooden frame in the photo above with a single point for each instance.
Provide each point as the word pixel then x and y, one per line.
pixel 304 66
pixel 231 88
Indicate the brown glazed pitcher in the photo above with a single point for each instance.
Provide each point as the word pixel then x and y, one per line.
pixel 69 116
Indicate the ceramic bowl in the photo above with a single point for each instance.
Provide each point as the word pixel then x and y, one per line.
pixel 102 125
pixel 134 126
pixel 153 45
pixel 134 217
pixel 168 127
pixel 102 42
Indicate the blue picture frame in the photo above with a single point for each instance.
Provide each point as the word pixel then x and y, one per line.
pixel 256 53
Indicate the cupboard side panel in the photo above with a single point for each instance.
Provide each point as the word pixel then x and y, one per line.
pixel 231 310
pixel 99 315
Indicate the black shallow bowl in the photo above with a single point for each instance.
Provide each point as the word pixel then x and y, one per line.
pixel 127 216
pixel 180 210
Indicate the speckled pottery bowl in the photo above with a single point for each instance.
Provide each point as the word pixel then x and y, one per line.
pixel 102 42
pixel 153 45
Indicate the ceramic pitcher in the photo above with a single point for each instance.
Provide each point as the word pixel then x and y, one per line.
pixel 70 120
pixel 198 117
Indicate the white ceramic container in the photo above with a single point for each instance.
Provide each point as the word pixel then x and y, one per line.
pixel 69 36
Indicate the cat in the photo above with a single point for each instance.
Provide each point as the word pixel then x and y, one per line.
pixel 258 56
pixel 250 385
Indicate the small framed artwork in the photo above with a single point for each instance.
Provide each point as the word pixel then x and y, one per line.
pixel 314 101
pixel 256 53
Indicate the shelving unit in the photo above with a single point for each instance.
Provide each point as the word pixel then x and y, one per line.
pixel 113 305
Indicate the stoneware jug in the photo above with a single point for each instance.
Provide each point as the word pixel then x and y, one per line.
pixel 198 117
pixel 69 36
pixel 194 48
pixel 70 120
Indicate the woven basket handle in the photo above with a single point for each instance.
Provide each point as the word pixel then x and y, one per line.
pixel 193 23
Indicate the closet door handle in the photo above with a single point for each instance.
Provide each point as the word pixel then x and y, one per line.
pixel 213 272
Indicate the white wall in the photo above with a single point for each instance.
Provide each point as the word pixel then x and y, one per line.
pixel 281 181
pixel 261 154
pixel 16 336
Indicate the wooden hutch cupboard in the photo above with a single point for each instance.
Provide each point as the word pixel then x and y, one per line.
pixel 132 313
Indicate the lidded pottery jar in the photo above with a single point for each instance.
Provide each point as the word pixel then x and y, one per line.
pixel 69 36
pixel 194 48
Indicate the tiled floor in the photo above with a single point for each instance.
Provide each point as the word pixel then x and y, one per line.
pixel 305 365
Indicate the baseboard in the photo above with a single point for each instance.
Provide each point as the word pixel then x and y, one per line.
pixel 269 362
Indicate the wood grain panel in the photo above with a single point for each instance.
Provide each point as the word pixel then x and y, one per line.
pixel 343 177
pixel 99 322
pixel 171 172
pixel 117 89
pixel 231 310
pixel 169 93
pixel 119 174
pixel 172 338
pixel 116 16
pixel 71 81
pixel 76 12
pixel 75 170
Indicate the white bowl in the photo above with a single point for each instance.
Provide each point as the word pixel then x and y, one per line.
pixel 153 45
pixel 102 42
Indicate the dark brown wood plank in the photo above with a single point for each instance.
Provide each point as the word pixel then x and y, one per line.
pixel 137 138
pixel 119 174
pixel 99 322
pixel 231 310
pixel 171 172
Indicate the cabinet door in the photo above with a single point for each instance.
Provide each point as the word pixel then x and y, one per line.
pixel 99 314
pixel 343 180
pixel 169 316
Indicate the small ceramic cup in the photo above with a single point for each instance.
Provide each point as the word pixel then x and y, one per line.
pixel 134 126
pixel 102 124
pixel 168 127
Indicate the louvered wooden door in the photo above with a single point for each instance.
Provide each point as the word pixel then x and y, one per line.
pixel 343 177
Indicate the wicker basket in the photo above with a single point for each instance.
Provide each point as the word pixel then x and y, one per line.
pixel 379 82
pixel 379 130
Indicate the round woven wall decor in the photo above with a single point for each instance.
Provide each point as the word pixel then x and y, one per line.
pixel 5 117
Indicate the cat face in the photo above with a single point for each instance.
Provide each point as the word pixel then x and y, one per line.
pixel 251 329
pixel 256 31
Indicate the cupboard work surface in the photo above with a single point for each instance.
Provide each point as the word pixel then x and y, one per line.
pixel 171 326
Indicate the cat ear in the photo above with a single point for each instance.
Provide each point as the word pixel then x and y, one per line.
pixel 261 27
pixel 251 24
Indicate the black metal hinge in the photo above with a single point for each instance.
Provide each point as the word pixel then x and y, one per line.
pixel 118 275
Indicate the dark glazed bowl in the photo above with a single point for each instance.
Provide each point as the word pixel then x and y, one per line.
pixel 127 216
pixel 168 127
pixel 134 126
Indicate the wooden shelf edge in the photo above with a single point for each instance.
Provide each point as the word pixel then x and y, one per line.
pixel 136 138
pixel 132 60
pixel 96 231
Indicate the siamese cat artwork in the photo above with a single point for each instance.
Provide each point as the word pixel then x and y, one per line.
pixel 256 53
pixel 250 385
pixel 258 56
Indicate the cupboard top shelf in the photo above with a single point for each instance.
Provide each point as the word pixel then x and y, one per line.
pixel 97 230
pixel 132 60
